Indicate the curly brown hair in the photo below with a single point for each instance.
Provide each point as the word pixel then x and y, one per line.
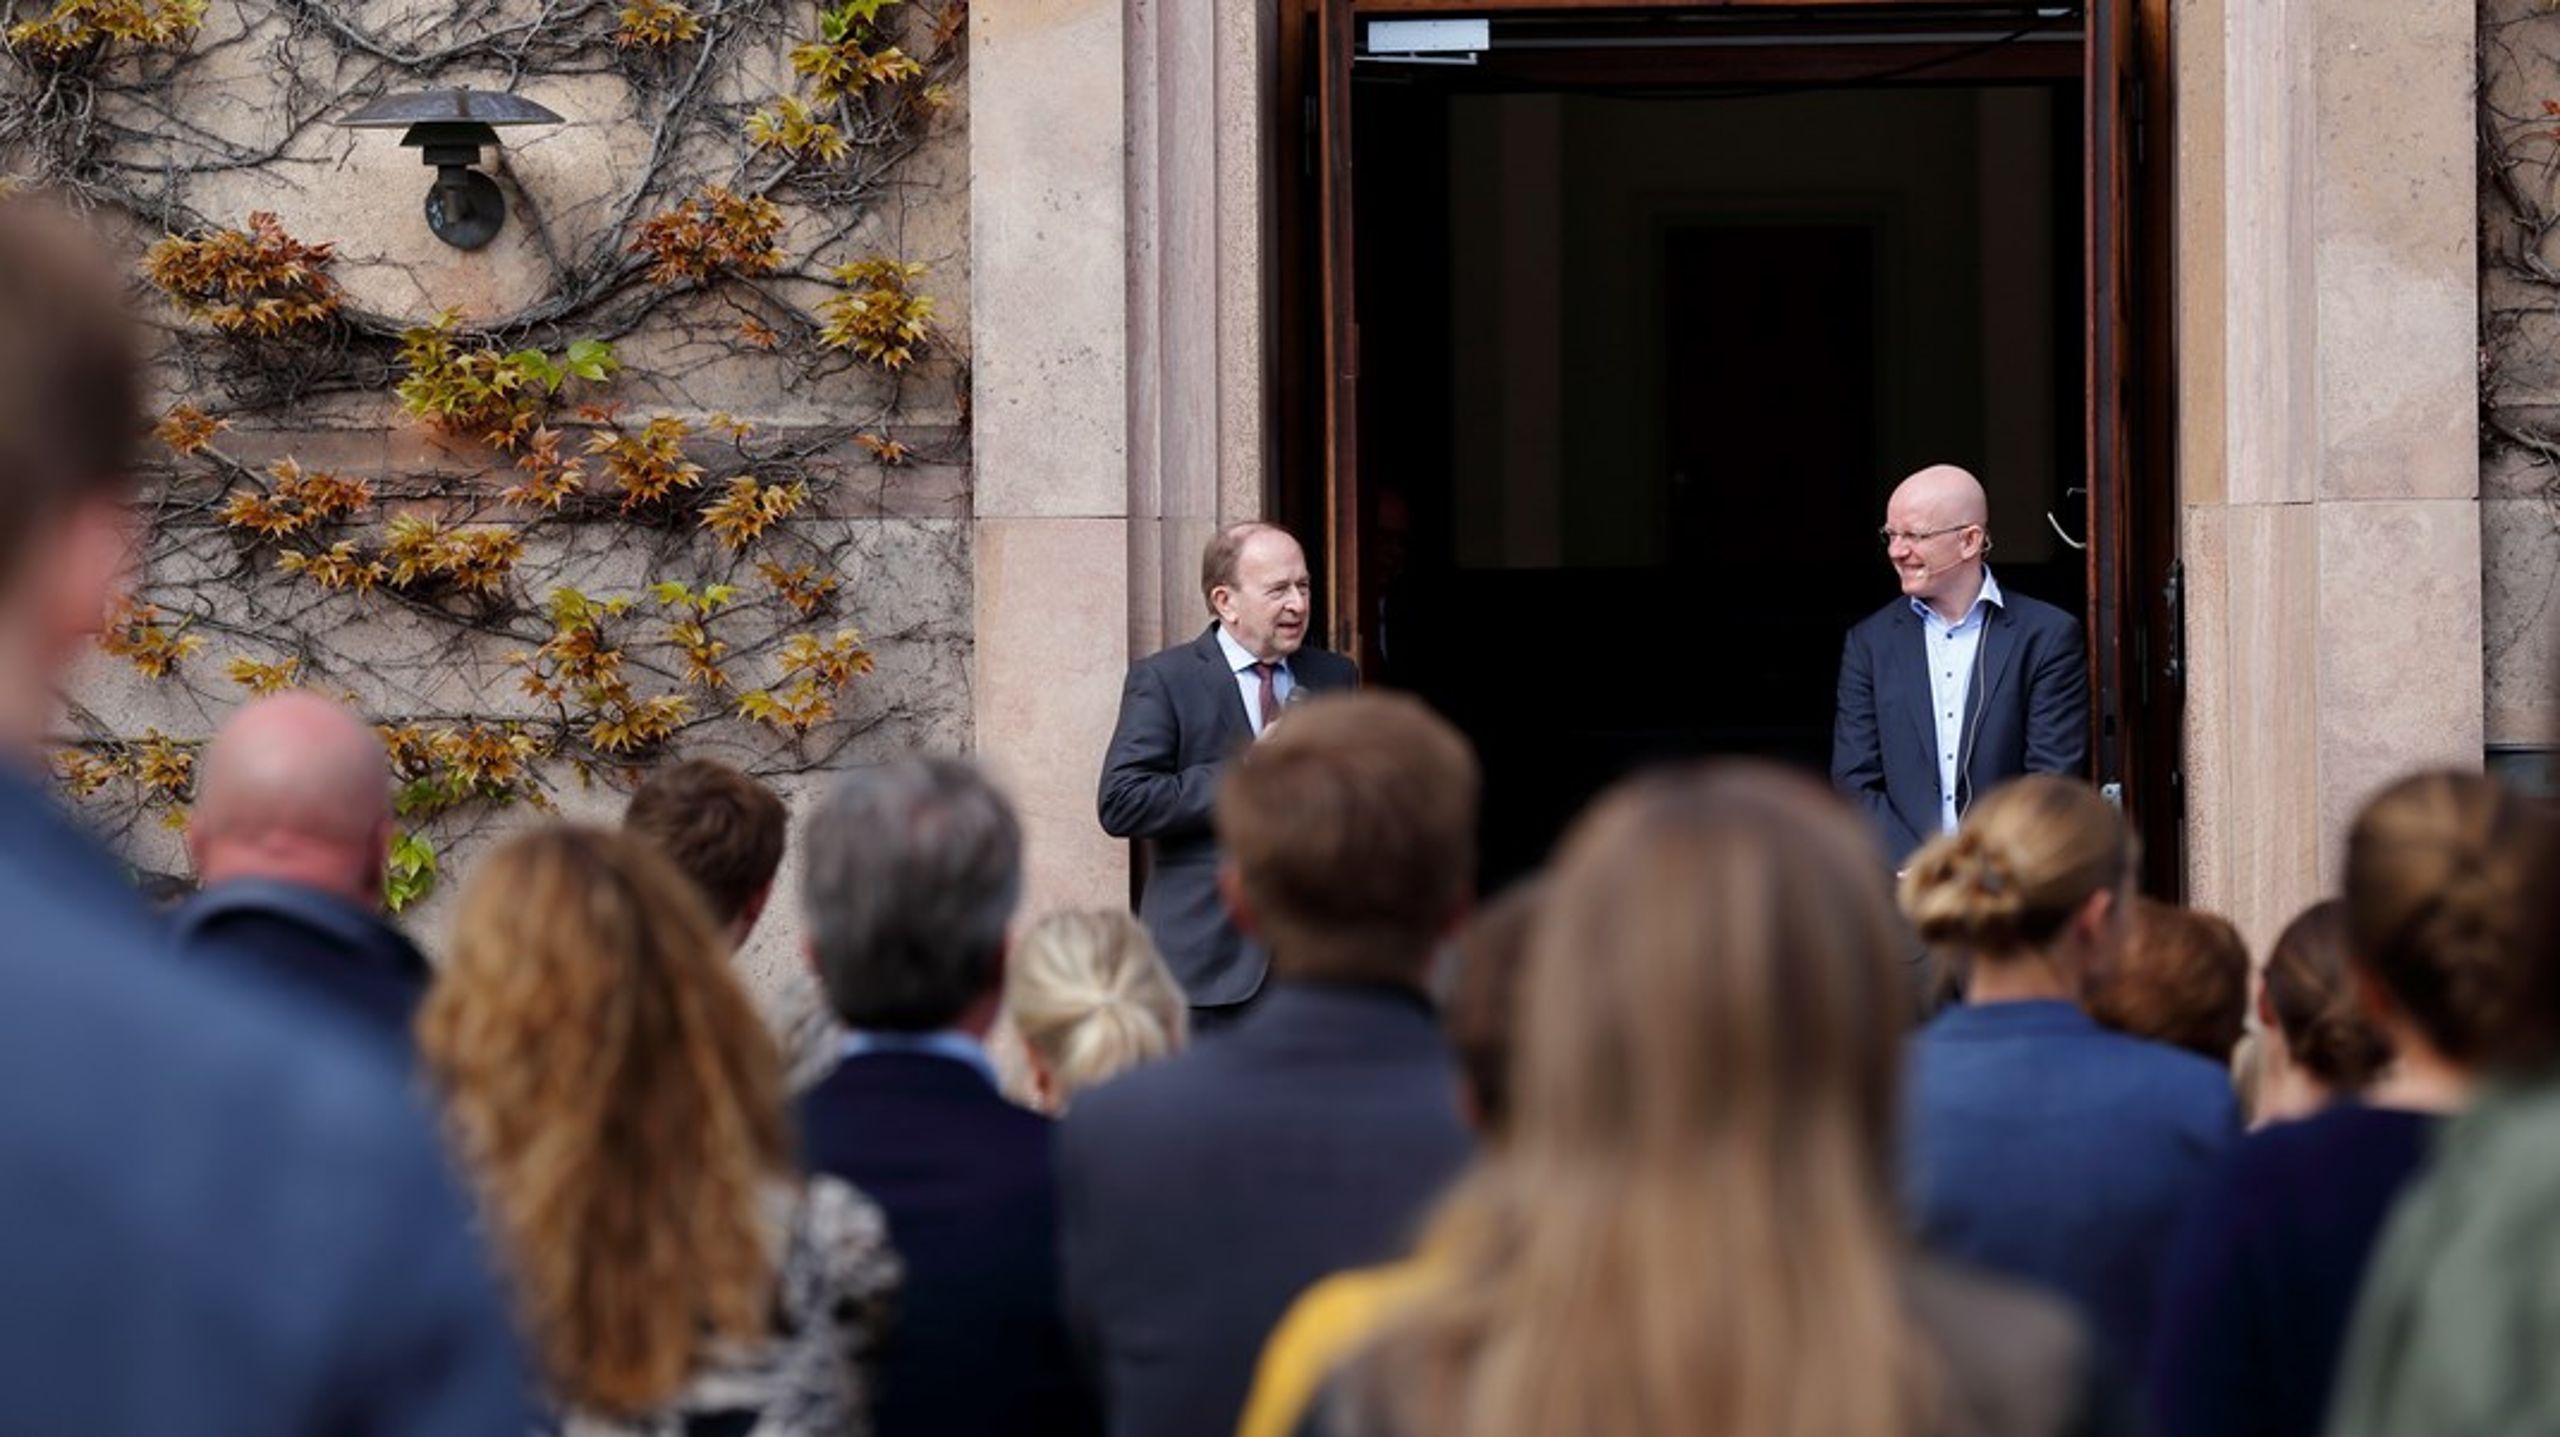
pixel 2181 978
pixel 620 1105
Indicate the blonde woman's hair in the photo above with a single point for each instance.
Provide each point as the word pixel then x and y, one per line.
pixel 1092 998
pixel 619 1104
pixel 2027 857
pixel 1690 1227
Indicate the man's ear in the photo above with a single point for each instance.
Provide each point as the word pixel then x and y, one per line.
pixel 85 567
pixel 377 875
pixel 1231 890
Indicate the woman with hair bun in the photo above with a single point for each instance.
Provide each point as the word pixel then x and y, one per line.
pixel 2040 1144
pixel 1092 999
pixel 2321 1045
pixel 2439 874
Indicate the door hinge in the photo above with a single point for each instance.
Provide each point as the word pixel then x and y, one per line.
pixel 2173 600
pixel 2141 106
pixel 1307 156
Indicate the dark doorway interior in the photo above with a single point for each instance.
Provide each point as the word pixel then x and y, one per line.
pixel 1637 372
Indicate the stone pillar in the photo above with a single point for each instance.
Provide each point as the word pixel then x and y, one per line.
pixel 2328 448
pixel 1118 238
pixel 1049 244
pixel 1200 75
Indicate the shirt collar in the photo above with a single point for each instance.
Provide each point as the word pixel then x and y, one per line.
pixel 942 1043
pixel 1990 596
pixel 1238 660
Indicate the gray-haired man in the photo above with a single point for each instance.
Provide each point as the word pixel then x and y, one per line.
pixel 912 873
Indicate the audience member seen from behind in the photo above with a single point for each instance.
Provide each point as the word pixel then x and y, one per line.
pixel 721 829
pixel 2450 883
pixel 2180 978
pixel 1201 1194
pixel 1709 1047
pixel 725 831
pixel 2041 1145
pixel 610 1084
pixel 224 1217
pixel 912 871
pixel 1336 1316
pixel 1091 999
pixel 2258 1295
pixel 290 833
pixel 2320 1043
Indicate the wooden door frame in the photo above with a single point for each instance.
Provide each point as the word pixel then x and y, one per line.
pixel 2143 652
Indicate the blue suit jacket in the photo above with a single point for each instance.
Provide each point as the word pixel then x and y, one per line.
pixel 221 1214
pixel 311 945
pixel 980 1341
pixel 1200 1195
pixel 2027 712
pixel 1181 718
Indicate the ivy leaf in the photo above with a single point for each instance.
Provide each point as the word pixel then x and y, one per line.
pixel 592 360
pixel 411 873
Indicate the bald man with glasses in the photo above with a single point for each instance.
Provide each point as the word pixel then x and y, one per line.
pixel 1956 686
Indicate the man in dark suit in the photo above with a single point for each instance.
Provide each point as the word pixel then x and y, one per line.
pixel 913 871
pixel 1957 686
pixel 1183 714
pixel 290 831
pixel 1200 1195
pixel 224 1214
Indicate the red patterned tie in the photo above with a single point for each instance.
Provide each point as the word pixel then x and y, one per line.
pixel 1269 700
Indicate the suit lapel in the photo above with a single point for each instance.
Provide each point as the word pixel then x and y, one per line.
pixel 1912 659
pixel 1999 660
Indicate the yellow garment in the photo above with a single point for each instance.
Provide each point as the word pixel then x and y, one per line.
pixel 1327 1323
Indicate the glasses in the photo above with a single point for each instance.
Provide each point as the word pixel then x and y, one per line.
pixel 1892 536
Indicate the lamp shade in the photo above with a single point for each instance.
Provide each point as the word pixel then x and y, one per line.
pixel 449 107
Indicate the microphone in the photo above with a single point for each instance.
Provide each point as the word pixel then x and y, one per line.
pixel 1298 694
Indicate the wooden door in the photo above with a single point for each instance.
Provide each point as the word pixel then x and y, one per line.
pixel 1345 613
pixel 2135 642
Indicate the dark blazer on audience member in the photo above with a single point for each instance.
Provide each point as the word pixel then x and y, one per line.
pixel 1201 1194
pixel 1182 716
pixel 224 1216
pixel 313 944
pixel 2031 715
pixel 2043 1147
pixel 979 1343
pixel 2257 1293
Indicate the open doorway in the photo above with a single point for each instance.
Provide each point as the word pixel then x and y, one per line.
pixel 1638 370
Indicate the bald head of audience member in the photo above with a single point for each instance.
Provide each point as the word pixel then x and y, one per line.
pixel 296 790
pixel 1937 532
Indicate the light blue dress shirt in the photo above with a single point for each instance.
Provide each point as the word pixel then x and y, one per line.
pixel 1954 652
pixel 1249 683
pixel 949 1043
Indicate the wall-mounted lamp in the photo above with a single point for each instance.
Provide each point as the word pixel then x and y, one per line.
pixel 466 207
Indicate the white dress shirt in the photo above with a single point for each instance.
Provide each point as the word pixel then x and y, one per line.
pixel 1954 651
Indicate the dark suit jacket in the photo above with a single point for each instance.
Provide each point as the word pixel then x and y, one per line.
pixel 979 1344
pixel 1201 1194
pixel 312 945
pixel 1182 717
pixel 2026 711
pixel 224 1214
